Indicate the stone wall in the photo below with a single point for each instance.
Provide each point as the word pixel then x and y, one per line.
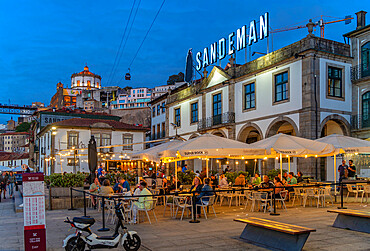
pixel 134 115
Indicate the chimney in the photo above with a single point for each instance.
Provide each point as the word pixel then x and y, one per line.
pixel 361 19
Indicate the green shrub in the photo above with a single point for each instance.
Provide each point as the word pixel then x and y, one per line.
pixel 231 176
pixel 65 180
pixel 186 178
pixel 113 177
pixel 274 172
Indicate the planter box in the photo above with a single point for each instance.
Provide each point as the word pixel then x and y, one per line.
pixel 63 203
pixel 60 192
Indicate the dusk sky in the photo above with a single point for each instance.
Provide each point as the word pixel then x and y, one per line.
pixel 44 42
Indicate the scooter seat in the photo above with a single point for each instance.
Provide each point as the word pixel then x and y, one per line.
pixel 84 220
pixel 107 237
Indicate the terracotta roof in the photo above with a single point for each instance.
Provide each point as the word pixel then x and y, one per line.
pixel 4 156
pixel 83 122
pixel 15 133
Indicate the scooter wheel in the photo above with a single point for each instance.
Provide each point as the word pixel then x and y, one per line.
pixel 133 243
pixel 75 244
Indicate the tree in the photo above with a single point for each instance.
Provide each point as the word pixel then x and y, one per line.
pixel 175 78
pixel 23 127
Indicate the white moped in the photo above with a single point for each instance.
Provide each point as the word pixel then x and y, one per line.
pixel 77 242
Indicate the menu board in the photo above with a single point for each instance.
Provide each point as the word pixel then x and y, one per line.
pixel 34 211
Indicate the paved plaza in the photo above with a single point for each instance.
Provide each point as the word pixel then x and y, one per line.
pixel 220 233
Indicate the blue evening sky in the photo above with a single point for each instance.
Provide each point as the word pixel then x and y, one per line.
pixel 44 42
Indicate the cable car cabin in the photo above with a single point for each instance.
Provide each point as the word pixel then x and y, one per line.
pixel 128 76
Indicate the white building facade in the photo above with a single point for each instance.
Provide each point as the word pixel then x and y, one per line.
pixel 58 142
pixel 303 89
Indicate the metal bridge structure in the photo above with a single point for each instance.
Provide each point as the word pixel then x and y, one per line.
pixel 17 109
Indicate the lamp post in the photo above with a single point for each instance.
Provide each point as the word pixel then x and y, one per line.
pixel 175 127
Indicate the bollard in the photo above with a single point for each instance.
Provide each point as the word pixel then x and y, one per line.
pixel 84 193
pixel 71 199
pixel 341 196
pixel 194 220
pixel 103 216
pixel 274 213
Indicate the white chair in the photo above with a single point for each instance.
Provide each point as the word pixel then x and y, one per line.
pixel 351 190
pixel 327 193
pixel 170 202
pixel 207 201
pixel 259 197
pixel 147 210
pixel 310 194
pixel 109 207
pixel 248 197
pixel 297 194
pixel 181 203
pixel 283 197
pixel 366 192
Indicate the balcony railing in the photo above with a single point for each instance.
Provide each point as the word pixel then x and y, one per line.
pixel 360 122
pixel 216 121
pixel 360 71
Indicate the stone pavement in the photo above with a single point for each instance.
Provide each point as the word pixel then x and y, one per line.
pixel 220 233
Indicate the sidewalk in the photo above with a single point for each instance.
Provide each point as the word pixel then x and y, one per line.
pixel 11 226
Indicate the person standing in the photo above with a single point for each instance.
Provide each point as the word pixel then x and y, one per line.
pixel 343 171
pixel 184 168
pixel 351 170
pixel 11 181
pixel 4 182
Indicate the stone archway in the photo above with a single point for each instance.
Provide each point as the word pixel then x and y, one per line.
pixel 250 133
pixel 219 133
pixel 334 123
pixel 284 125
pixel 194 135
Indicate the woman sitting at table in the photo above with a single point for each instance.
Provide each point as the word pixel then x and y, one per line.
pixel 223 181
pixel 106 189
pixel 94 188
pixel 279 186
pixel 197 186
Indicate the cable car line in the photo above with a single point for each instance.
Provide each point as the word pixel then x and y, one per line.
pixel 151 25
pixel 127 37
pixel 122 38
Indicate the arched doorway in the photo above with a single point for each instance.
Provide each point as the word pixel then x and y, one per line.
pixel 334 124
pixel 250 133
pixel 282 125
pixel 219 133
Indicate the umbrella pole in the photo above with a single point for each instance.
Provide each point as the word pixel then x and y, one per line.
pixel 281 165
pixel 176 173
pixel 289 162
pixel 335 174
pixel 207 167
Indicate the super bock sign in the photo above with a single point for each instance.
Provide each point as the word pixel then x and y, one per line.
pixel 219 50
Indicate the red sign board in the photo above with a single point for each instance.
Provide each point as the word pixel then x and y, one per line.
pixel 34 211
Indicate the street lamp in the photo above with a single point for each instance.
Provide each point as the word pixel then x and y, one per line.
pixel 175 127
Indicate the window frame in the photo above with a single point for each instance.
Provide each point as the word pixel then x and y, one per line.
pixel 343 83
pixel 128 136
pixel 174 116
pixel 274 75
pixel 343 86
pixel 244 109
pixel 69 145
pixel 220 102
pixel 191 112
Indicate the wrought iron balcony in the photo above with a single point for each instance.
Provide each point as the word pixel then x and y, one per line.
pixel 360 122
pixel 360 71
pixel 216 121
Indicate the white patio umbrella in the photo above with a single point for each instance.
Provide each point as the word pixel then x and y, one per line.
pixel 345 144
pixel 210 146
pixel 292 146
pixel 5 169
pixel 154 153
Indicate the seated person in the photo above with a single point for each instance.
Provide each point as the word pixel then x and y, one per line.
pixel 143 202
pixel 94 189
pixel 279 186
pixel 266 184
pixel 299 177
pixel 256 180
pixel 285 183
pixel 214 181
pixel 106 189
pixel 121 186
pixel 291 179
pixel 196 186
pixel 223 181
pixel 206 191
pixel 240 180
